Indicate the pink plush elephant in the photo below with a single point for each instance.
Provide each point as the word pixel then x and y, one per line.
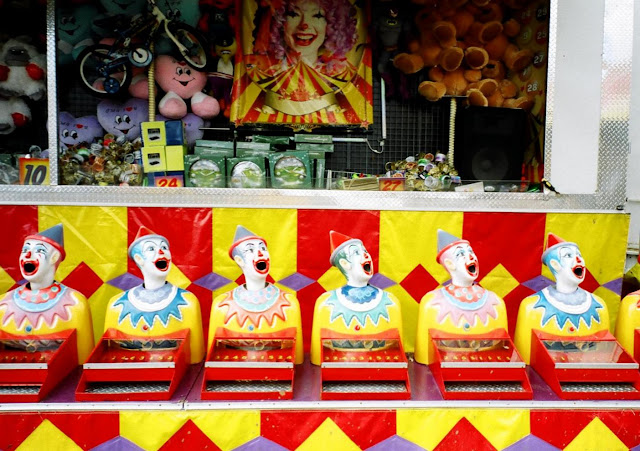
pixel 183 83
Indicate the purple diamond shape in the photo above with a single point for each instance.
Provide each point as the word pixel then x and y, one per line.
pixel 117 444
pixel 531 443
pixel 615 286
pixel 126 281
pixel 538 283
pixel 212 281
pixel 260 444
pixel 395 443
pixel 296 281
pixel 381 281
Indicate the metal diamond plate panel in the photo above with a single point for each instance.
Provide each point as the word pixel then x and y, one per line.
pixel 253 386
pixel 503 387
pixel 364 387
pixel 595 388
pixel 128 387
pixel 19 389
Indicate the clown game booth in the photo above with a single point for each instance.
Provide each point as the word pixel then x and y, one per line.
pixel 150 317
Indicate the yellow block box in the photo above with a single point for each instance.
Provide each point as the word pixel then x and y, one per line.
pixel 154 134
pixel 154 159
pixel 175 157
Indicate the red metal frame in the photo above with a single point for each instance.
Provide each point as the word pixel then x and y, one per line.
pixel 385 365
pixel 44 369
pixel 233 364
pixel 109 364
pixel 499 367
pixel 636 345
pixel 555 373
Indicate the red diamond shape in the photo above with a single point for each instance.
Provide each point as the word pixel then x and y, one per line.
pixel 464 436
pixel 189 436
pixel 83 279
pixel 419 282
pixel 590 283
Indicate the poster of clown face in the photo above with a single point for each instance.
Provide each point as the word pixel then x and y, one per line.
pixel 303 63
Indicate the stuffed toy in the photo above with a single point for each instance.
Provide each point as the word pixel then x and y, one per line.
pixel 192 125
pixel 468 50
pixel 221 80
pixel 181 82
pixel 123 118
pixel 14 113
pixel 74 31
pixel 22 70
pixel 78 131
pixel 217 18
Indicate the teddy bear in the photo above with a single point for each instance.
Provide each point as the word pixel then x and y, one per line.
pixel 14 113
pixel 467 50
pixel 123 118
pixel 22 70
pixel 74 31
pixel 183 83
pixel 78 131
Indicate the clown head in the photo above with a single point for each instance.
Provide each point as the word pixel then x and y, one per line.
pixel 565 262
pixel 352 259
pixel 41 254
pixel 458 258
pixel 250 252
pixel 152 255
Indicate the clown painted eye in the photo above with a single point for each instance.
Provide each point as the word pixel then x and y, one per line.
pixel 164 247
pixel 126 118
pixel 118 120
pixel 25 249
pixel 65 133
pixel 179 70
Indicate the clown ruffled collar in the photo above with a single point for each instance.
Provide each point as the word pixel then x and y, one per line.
pixel 34 305
pixel 142 304
pixel 466 303
pixel 571 307
pixel 358 303
pixel 254 306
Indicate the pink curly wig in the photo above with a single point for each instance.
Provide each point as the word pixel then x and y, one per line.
pixel 341 28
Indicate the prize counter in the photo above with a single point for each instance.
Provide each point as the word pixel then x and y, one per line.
pixel 508 246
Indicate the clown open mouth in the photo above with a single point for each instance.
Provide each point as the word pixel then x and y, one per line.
pixel 367 267
pixel 304 40
pixel 578 271
pixel 261 266
pixel 162 264
pixel 472 269
pixel 30 267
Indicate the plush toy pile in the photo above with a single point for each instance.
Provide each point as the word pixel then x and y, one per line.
pixel 468 48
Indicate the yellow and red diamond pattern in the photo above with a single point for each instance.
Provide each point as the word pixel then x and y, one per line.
pixel 402 245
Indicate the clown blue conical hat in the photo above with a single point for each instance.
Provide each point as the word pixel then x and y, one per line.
pixel 53 236
pixel 445 241
pixel 243 234
pixel 144 233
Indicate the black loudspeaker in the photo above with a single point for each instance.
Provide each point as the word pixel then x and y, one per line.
pixel 490 143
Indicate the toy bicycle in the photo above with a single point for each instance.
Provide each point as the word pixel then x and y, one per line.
pixel 107 70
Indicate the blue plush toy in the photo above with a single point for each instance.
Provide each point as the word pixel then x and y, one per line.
pixel 123 118
pixel 74 131
pixel 74 31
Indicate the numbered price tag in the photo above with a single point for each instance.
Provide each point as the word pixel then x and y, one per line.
pixel 391 183
pixel 34 171
pixel 168 181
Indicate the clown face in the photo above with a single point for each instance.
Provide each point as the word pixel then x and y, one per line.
pixel 462 264
pixel 253 257
pixel 358 265
pixel 569 268
pixel 305 28
pixel 38 263
pixel 153 257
